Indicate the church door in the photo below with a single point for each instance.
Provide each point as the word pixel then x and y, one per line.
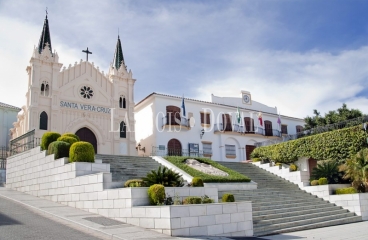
pixel 174 147
pixel 87 135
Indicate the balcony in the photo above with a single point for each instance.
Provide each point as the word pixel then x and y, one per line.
pixel 182 121
pixel 219 127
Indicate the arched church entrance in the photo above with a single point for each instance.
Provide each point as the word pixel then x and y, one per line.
pixel 174 147
pixel 87 135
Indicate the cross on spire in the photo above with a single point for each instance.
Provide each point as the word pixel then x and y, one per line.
pixel 87 52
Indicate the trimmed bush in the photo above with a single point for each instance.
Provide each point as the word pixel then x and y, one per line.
pixel 348 190
pixel 314 183
pixel 322 181
pixel 206 199
pixel 192 200
pixel 134 183
pixel 67 139
pixel 256 159
pixel 338 145
pixel 60 149
pixel 233 175
pixel 293 167
pixel 164 176
pixel 156 194
pixel 197 182
pixel 82 152
pixel 228 197
pixel 71 135
pixel 48 138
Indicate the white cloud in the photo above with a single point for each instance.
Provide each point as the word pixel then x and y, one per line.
pixel 295 82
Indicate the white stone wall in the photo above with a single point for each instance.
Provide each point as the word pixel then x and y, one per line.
pixel 324 191
pixel 86 186
pixel 357 203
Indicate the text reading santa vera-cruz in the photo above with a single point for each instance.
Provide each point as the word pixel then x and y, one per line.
pixel 85 107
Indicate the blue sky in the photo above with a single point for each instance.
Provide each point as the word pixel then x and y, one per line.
pixel 298 55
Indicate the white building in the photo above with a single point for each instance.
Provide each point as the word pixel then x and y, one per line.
pixel 79 98
pixel 8 114
pixel 224 129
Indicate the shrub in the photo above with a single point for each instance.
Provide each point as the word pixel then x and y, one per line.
pixel 71 135
pixel 134 183
pixel 192 200
pixel 82 152
pixel 314 182
pixel 233 175
pixel 278 164
pixel 156 194
pixel 348 190
pixel 338 145
pixel 228 197
pixel 293 167
pixel 206 199
pixel 60 149
pixel 197 182
pixel 328 169
pixel 164 176
pixel 48 138
pixel 322 181
pixel 256 159
pixel 67 139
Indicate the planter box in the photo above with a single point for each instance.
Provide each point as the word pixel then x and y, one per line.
pixel 324 191
pixel 357 203
pixel 233 186
pixel 217 219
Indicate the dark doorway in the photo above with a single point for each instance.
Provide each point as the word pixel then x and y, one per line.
pixel 87 135
pixel 248 150
pixel 312 164
pixel 174 148
pixel 268 128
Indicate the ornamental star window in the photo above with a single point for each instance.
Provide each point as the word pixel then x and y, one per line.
pixel 86 92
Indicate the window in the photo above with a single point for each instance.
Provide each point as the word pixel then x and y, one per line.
pixel 43 121
pixel 230 151
pixel 173 115
pixel 44 88
pixel 86 92
pixel 299 129
pixel 205 118
pixel 268 128
pixel 207 149
pixel 284 129
pixel 226 121
pixel 249 124
pixel 122 102
pixel 122 130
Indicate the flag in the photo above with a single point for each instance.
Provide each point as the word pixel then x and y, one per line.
pixel 183 107
pixel 238 115
pixel 260 119
pixel 279 120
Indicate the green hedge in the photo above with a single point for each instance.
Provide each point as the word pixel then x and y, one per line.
pixel 338 145
pixel 156 194
pixel 349 190
pixel 228 197
pixel 71 135
pixel 197 182
pixel 134 183
pixel 322 181
pixel 82 152
pixel 192 200
pixel 60 149
pixel 67 139
pixel 233 175
pixel 48 138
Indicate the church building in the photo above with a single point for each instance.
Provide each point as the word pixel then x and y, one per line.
pixel 80 99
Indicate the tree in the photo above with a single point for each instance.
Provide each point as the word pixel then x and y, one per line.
pixel 339 115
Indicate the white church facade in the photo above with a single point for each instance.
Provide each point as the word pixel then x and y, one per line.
pixel 79 98
pixel 224 129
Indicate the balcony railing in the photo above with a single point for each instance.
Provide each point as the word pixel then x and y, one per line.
pixel 219 127
pixel 175 152
pixel 23 143
pixel 175 121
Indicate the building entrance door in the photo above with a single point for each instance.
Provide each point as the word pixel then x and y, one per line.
pixel 87 135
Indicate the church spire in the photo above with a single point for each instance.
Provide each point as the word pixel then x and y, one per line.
pixel 118 56
pixel 45 38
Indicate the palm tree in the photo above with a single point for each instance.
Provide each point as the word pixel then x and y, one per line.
pixel 356 169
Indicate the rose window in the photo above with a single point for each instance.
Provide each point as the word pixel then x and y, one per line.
pixel 86 92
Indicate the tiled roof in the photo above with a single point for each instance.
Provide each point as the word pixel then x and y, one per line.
pixel 219 104
pixel 4 105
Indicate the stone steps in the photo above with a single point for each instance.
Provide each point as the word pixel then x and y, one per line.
pixel 280 206
pixel 124 168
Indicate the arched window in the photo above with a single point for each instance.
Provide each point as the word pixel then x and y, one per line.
pixel 122 130
pixel 249 124
pixel 42 89
pixel 124 103
pixel 120 102
pixel 47 90
pixel 43 120
pixel 299 129
pixel 268 128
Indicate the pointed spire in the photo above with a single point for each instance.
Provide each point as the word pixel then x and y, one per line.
pixel 118 56
pixel 45 36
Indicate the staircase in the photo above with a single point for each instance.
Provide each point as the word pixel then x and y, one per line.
pixel 124 168
pixel 280 206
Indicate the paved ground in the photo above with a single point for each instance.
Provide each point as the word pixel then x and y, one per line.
pixel 23 216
